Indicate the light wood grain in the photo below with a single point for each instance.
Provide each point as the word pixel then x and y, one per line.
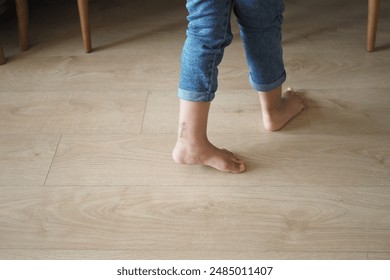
pixel 340 71
pixel 196 218
pixel 72 112
pixel 135 71
pixel 379 256
pixel 26 159
pixel 273 160
pixel 86 140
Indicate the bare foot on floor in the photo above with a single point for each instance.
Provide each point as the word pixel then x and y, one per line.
pixel 290 106
pixel 207 154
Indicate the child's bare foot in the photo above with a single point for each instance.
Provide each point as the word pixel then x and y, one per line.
pixel 193 146
pixel 207 154
pixel 282 111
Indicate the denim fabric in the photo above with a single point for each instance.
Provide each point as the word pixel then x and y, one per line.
pixel 209 33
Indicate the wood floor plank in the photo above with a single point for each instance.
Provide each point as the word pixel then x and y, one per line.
pixel 79 180
pixel 379 256
pixel 196 218
pixel 336 112
pixel 273 160
pixel 307 26
pixel 26 159
pixel 345 112
pixel 337 70
pixel 133 71
pixel 16 254
pixel 72 112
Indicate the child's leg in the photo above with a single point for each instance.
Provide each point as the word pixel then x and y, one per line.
pixel 260 25
pixel 193 146
pixel 278 110
pixel 208 34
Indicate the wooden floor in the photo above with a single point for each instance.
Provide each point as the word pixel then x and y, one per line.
pixel 85 141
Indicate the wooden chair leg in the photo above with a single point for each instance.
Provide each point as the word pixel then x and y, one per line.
pixel 84 21
pixel 373 10
pixel 22 12
pixel 2 58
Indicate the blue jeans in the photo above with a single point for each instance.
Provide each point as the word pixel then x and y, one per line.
pixel 208 34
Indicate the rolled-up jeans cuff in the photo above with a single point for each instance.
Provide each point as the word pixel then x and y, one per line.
pixel 195 96
pixel 269 86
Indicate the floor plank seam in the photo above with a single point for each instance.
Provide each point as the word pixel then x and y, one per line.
pixel 143 117
pixel 51 164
